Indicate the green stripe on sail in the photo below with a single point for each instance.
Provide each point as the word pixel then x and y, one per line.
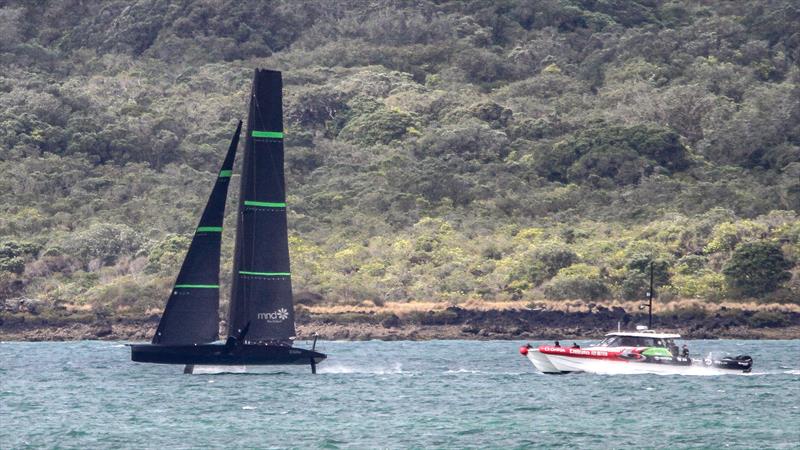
pixel 225 173
pixel 209 229
pixel 266 274
pixel 264 204
pixel 196 286
pixel 268 134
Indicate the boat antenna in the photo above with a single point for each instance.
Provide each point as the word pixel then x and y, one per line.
pixel 650 295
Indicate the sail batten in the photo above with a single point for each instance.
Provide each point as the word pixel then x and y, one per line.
pixel 265 274
pixel 192 312
pixel 261 295
pixel 265 204
pixel 209 229
pixel 196 286
pixel 267 134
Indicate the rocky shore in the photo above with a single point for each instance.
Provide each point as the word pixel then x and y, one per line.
pixel 449 323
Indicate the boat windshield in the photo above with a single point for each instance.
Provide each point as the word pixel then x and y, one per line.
pixel 633 341
pixel 608 342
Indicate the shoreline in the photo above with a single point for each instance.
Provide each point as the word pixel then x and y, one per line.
pixel 450 323
pixel 135 333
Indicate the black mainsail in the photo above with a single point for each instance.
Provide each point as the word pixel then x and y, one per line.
pixel 261 296
pixel 192 312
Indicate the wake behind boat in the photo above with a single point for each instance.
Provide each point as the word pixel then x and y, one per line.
pixel 261 321
pixel 640 352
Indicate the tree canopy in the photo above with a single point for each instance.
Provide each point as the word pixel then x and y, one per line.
pixel 435 149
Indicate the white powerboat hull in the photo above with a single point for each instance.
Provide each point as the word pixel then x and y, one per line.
pixel 542 362
pixel 566 364
pixel 557 364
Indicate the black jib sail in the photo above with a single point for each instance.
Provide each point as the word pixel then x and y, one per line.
pixel 261 298
pixel 192 312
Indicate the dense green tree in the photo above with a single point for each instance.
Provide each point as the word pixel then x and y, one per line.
pixel 757 268
pixel 622 155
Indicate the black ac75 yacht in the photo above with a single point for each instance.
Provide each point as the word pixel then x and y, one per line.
pixel 261 323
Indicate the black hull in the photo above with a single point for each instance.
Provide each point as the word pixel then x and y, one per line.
pixel 222 355
pixel 741 362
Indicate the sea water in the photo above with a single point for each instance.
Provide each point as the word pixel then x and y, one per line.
pixel 437 394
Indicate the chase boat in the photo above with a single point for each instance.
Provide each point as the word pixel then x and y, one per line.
pixel 643 351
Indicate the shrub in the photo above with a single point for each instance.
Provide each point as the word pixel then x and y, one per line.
pixel 104 242
pixel 756 268
pixel 691 264
pixel 704 284
pixel 620 154
pixel 381 126
pixel 544 262
pixel 13 253
pixel 470 140
pixel 167 254
pixel 578 281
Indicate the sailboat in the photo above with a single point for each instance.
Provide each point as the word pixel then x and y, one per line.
pixel 261 324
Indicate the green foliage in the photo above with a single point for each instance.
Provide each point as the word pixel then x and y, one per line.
pixel 726 236
pixel 104 242
pixel 643 264
pixel 704 284
pixel 578 281
pixel 167 254
pixel 757 268
pixel 622 155
pixel 13 254
pixel 382 126
pixel 434 150
pixel 544 262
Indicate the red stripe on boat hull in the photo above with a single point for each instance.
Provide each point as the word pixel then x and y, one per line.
pixel 582 353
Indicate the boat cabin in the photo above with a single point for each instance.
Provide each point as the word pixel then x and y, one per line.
pixel 639 339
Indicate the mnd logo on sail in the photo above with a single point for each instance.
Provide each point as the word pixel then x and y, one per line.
pixel 275 316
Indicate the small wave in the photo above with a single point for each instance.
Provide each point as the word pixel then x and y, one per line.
pixel 340 368
pixel 219 370
pixel 530 408
pixel 792 372
pixel 462 370
pixel 716 373
pixel 248 408
pixel 693 372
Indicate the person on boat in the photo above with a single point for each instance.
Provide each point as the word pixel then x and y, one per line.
pixel 575 345
pixel 674 349
pixel 558 344
pixel 685 352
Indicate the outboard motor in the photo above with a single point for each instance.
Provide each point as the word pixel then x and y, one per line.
pixel 740 362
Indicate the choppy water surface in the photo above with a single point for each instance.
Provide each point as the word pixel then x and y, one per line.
pixel 446 394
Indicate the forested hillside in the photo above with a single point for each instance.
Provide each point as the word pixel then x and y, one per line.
pixel 436 150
